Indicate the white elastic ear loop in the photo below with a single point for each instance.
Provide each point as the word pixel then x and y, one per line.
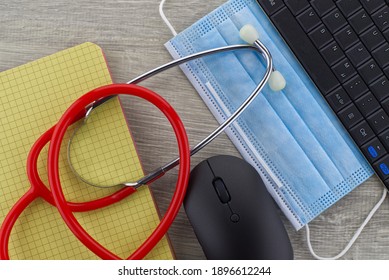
pixel 164 18
pixel 355 236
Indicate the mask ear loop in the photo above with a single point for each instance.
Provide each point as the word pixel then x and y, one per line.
pixel 164 18
pixel 355 236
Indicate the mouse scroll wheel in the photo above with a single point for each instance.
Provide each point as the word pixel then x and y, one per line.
pixel 221 190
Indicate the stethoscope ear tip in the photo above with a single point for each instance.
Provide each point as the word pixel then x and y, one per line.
pixel 276 81
pixel 249 34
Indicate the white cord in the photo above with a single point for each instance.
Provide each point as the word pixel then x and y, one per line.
pixel 356 234
pixel 164 18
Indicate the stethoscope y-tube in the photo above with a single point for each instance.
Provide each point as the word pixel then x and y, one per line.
pixel 277 84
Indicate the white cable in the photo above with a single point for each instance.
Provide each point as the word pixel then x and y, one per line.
pixel 164 18
pixel 356 234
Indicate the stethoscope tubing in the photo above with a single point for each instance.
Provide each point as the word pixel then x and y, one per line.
pixel 96 97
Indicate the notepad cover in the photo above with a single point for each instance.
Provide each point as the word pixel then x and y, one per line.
pixel 32 99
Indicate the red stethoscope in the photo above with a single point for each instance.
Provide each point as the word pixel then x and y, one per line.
pixel 81 108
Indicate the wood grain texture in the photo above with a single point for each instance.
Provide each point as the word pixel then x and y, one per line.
pixel 132 35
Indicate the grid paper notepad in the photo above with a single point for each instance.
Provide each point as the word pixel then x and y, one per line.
pixel 32 98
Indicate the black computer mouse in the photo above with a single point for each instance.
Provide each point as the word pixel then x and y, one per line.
pixel 232 213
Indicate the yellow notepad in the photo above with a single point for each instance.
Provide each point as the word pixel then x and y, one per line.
pixel 32 99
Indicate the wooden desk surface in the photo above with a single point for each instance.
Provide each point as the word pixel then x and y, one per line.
pixel 132 35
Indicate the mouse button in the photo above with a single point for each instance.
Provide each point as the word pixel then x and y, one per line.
pixel 221 190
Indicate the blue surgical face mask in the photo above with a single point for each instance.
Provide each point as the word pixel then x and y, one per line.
pixel 294 140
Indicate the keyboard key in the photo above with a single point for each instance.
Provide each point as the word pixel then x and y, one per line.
pixel 386 71
pixel 381 55
pixel 372 5
pixel 271 6
pixel 362 133
pixel 350 116
pixel 334 20
pixel 332 53
pixel 380 88
pixel 344 70
pixel 386 34
pixel 348 7
pixel 308 20
pixel 372 38
pixel 297 6
pixel 385 105
pixel 373 150
pixel 305 51
pixel 355 87
pixel 370 71
pixel 320 36
pixel 379 121
pixel 381 18
pixel 322 6
pixel 367 104
pixel 358 54
pixel 360 21
pixel 384 137
pixel 338 99
pixel 382 167
pixel 346 37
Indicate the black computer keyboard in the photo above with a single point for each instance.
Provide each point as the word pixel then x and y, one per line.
pixel 343 46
